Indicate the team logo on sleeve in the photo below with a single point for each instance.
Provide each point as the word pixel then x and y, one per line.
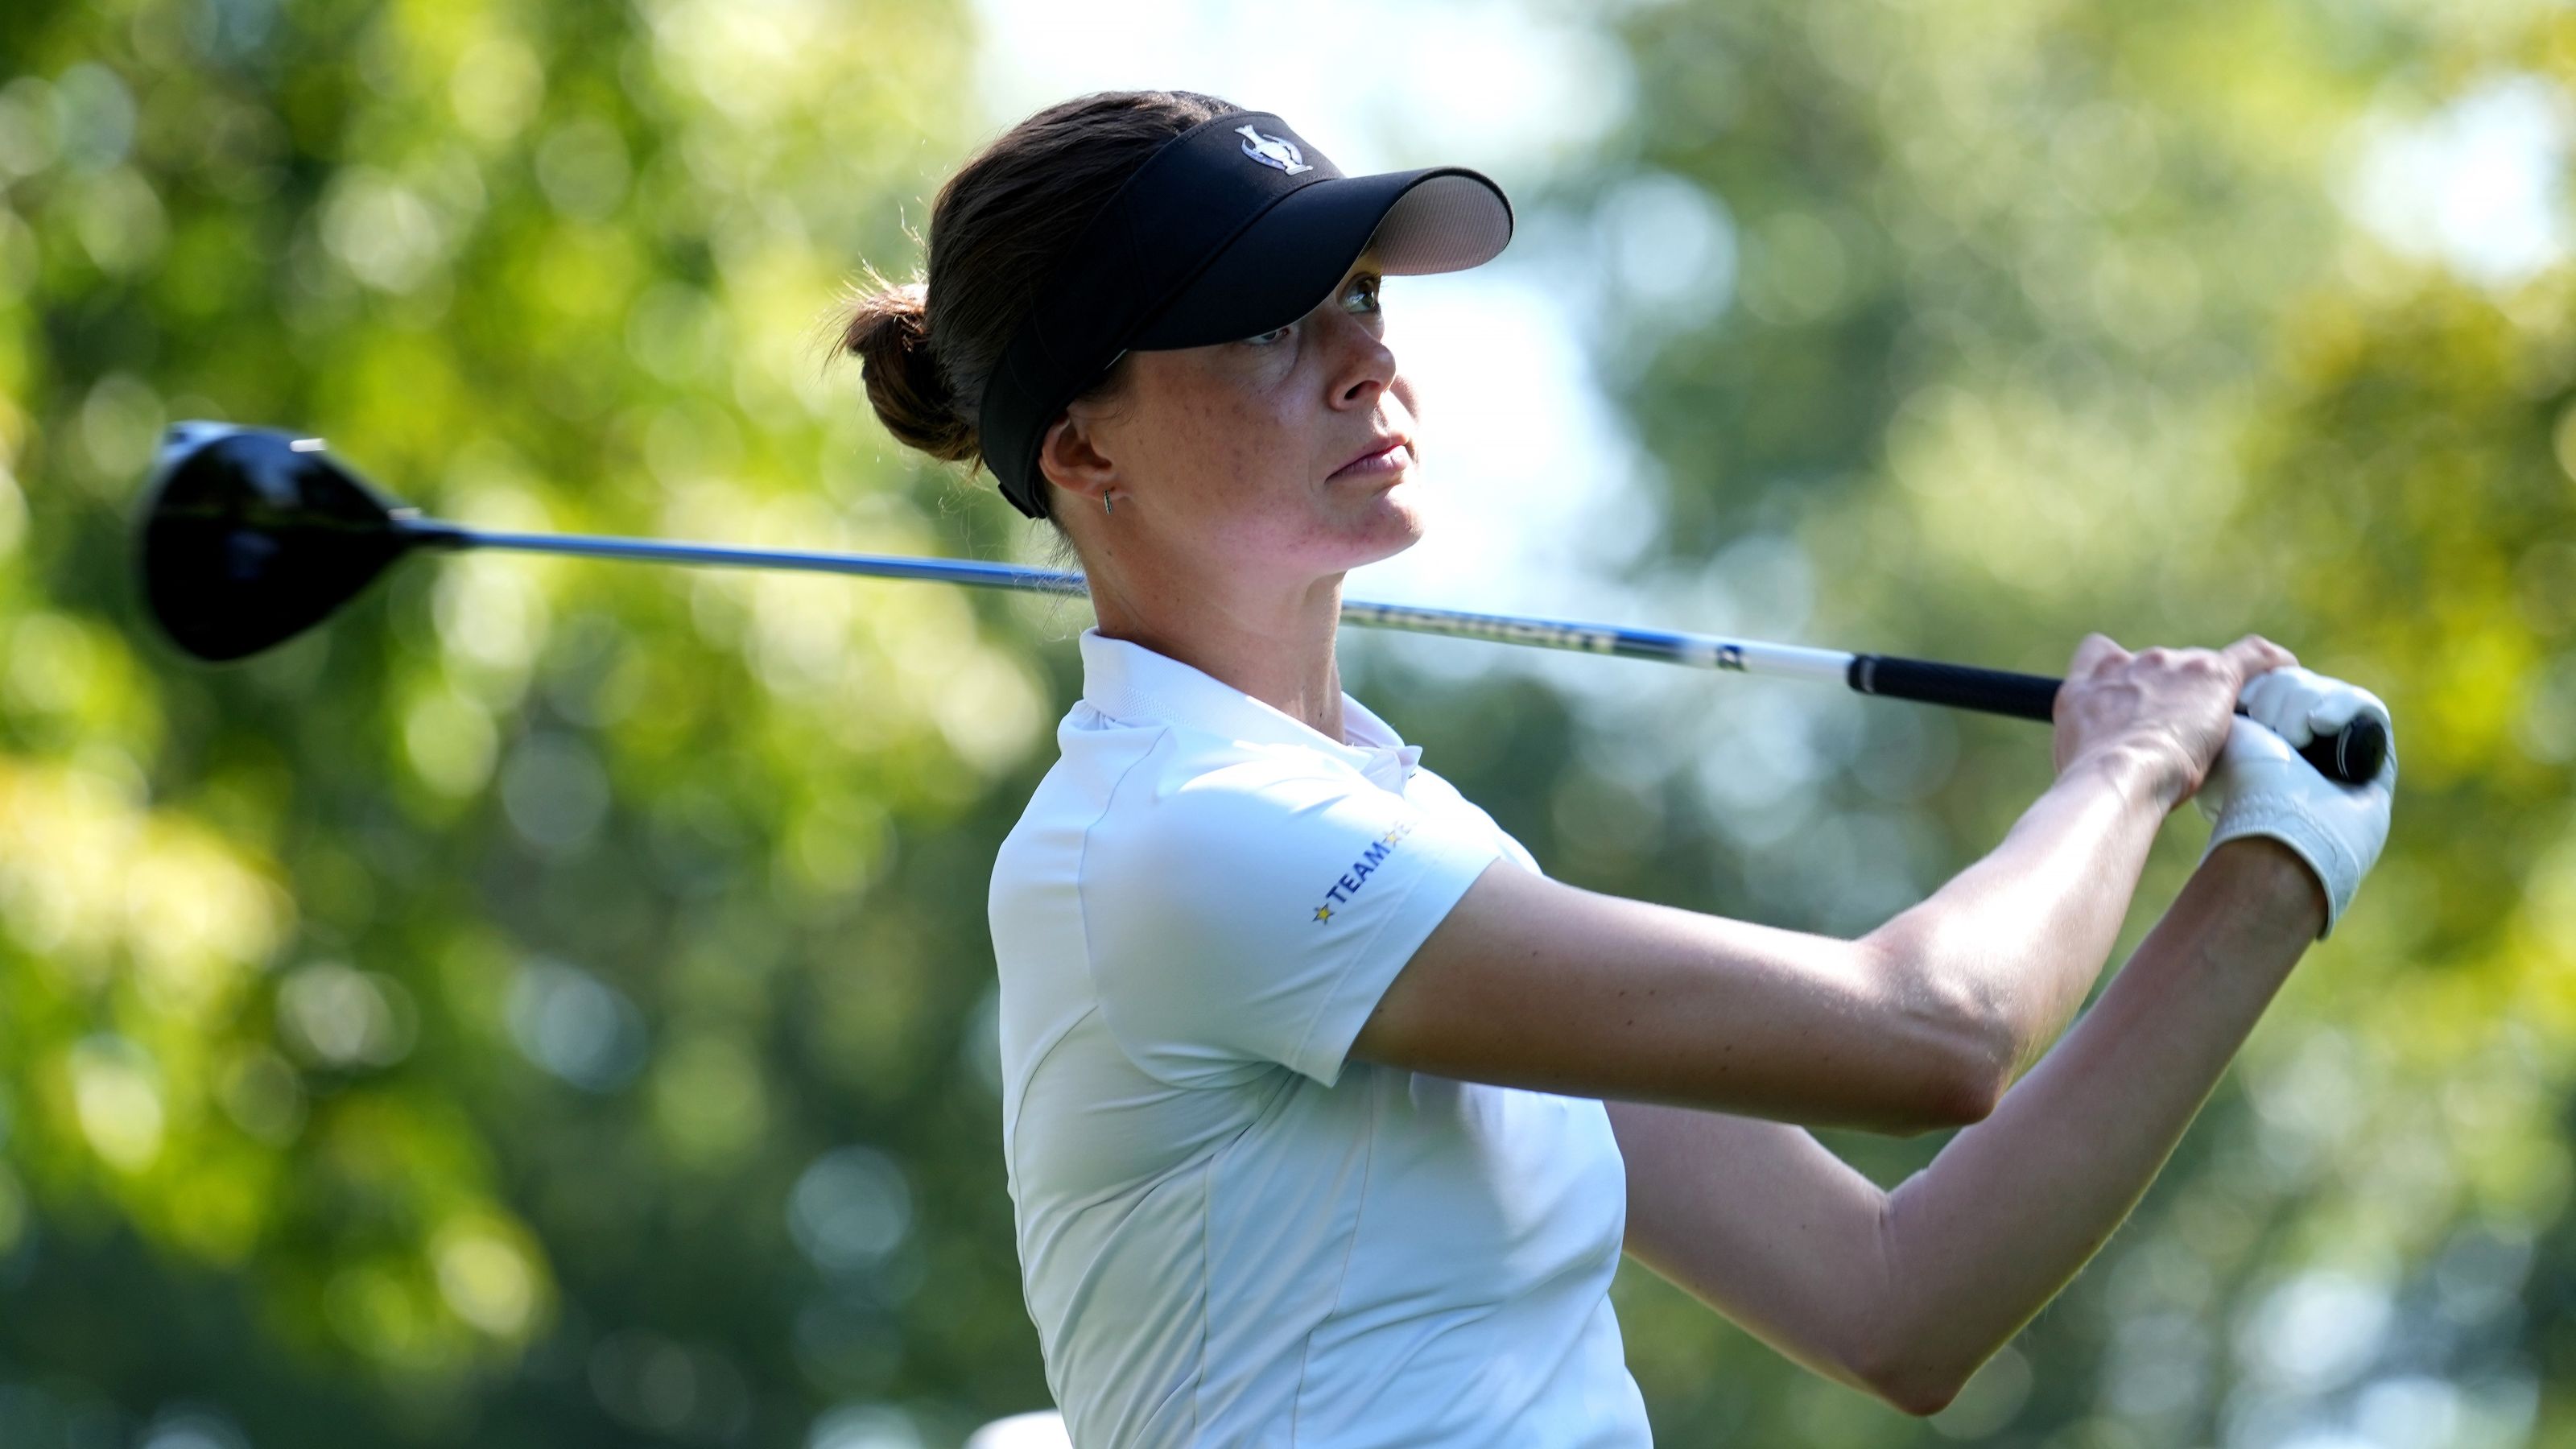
pixel 1361 869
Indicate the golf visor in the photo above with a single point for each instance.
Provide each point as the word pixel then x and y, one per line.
pixel 1233 228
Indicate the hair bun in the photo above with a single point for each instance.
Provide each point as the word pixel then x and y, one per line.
pixel 890 332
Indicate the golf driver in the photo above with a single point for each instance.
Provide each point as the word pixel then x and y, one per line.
pixel 250 536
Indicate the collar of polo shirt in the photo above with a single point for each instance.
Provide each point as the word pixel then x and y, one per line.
pixel 1127 681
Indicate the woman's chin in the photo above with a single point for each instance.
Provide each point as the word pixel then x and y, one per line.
pixel 1392 524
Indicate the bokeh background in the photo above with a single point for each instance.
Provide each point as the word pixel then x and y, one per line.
pixel 552 1005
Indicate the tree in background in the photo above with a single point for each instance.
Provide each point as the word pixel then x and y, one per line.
pixel 2023 319
pixel 543 1007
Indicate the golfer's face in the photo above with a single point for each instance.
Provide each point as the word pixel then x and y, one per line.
pixel 1245 451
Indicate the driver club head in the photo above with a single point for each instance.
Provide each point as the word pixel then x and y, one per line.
pixel 250 536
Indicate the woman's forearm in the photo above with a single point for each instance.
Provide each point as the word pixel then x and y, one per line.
pixel 2025 930
pixel 1979 1241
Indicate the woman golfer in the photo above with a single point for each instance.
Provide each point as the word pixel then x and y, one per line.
pixel 1327 1114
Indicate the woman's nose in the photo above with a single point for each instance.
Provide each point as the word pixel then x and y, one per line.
pixel 1367 364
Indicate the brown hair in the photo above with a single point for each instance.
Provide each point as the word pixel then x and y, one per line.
pixel 997 231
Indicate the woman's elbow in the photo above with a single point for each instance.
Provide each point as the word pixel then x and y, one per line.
pixel 1963 1051
pixel 1940 1098
pixel 1921 1397
pixel 1972 1086
pixel 1907 1381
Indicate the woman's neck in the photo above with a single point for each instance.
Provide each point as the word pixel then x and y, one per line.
pixel 1275 646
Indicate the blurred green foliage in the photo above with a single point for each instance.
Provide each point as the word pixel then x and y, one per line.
pixel 541 1008
pixel 551 1005
pixel 2054 317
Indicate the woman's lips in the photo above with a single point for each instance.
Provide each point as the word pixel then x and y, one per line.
pixel 1394 458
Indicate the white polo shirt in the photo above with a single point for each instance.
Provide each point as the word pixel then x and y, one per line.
pixel 1229 1233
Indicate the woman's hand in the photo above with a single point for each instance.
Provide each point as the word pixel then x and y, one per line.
pixel 2168 708
pixel 2260 786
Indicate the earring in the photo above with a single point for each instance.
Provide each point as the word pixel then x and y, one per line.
pixel 1108 505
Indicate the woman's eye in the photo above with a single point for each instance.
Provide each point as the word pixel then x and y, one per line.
pixel 1360 296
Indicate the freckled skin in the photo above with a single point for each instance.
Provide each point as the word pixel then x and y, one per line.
pixel 1230 535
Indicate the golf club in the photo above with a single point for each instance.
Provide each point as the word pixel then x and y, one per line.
pixel 250 536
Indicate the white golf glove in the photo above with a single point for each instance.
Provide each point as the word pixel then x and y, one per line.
pixel 2260 786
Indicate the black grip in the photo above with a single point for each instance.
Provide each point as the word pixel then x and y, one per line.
pixel 1988 691
pixel 2352 755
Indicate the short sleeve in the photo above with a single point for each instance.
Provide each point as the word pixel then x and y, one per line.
pixel 1253 912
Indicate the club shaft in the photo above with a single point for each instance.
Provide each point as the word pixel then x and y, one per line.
pixel 433 534
pixel 1703 651
pixel 2351 756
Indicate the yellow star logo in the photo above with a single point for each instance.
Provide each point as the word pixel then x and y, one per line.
pixel 1323 913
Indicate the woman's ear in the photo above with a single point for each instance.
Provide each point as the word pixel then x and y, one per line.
pixel 1072 461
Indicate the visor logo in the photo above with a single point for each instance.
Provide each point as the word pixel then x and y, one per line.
pixel 1271 151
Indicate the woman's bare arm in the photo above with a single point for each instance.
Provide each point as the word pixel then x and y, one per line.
pixel 2015 1205
pixel 1532 983
pixel 1919 1024
pixel 1904 1294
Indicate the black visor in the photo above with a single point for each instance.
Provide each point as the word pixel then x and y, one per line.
pixel 1235 227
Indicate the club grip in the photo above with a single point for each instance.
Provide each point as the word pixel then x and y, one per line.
pixel 2351 755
